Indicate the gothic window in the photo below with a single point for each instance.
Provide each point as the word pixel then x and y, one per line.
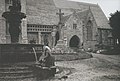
pixel 89 30
pixel 74 23
pixel 74 26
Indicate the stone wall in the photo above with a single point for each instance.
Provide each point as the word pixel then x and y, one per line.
pixel 70 32
pixel 90 43
pixel 2 23
pixel 24 39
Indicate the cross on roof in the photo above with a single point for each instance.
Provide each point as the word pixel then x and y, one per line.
pixel 60 16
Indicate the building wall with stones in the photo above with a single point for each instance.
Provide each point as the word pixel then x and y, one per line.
pixel 2 23
pixel 73 27
pixel 24 39
pixel 90 42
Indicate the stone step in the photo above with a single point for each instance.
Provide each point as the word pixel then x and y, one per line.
pixel 9 71
pixel 14 75
pixel 22 53
pixel 13 68
pixel 15 72
pixel 17 77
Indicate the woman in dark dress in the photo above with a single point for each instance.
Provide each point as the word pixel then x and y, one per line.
pixel 47 59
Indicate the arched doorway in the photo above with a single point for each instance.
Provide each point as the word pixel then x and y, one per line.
pixel 56 37
pixel 74 41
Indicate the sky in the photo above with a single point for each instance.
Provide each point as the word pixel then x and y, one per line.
pixel 108 6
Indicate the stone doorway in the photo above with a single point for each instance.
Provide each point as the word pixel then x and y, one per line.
pixel 74 41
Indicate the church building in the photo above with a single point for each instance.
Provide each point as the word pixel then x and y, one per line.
pixel 59 24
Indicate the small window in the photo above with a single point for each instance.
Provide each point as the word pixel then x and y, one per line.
pixel 89 30
pixel 74 26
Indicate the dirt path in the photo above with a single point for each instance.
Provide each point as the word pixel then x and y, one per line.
pixel 99 68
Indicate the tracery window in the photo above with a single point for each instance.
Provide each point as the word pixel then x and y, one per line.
pixel 74 25
pixel 89 30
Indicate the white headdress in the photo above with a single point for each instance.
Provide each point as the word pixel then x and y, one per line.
pixel 48 48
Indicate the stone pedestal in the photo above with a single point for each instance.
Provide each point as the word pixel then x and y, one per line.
pixel 8 41
pixel 2 31
pixel 60 43
pixel 24 39
pixel 61 47
pixel 39 37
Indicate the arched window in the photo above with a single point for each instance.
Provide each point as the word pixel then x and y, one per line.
pixel 74 23
pixel 89 30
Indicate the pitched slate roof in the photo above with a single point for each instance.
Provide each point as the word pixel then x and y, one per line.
pixel 66 4
pixel 100 18
pixel 83 14
pixel 80 14
pixel 41 12
pixel 44 11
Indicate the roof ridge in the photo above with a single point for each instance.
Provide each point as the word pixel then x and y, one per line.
pixel 82 11
pixel 83 3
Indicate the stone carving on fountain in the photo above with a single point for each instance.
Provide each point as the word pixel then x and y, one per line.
pixel 14 17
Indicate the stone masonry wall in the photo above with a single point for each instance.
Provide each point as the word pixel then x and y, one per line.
pixel 2 23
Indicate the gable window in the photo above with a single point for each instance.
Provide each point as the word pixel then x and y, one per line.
pixel 74 26
pixel 75 23
pixel 89 30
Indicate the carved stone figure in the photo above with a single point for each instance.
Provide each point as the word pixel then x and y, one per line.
pixel 14 17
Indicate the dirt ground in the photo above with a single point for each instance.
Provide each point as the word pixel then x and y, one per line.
pixel 99 68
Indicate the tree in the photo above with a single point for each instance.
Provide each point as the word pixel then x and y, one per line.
pixel 115 24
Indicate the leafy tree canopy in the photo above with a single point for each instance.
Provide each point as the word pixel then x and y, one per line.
pixel 115 24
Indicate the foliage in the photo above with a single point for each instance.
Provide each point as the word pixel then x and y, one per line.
pixel 115 24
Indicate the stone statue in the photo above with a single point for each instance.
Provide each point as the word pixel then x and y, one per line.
pixel 14 17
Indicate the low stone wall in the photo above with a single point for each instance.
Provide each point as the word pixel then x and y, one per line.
pixel 12 53
pixel 71 56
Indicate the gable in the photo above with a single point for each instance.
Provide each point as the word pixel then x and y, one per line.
pixel 82 15
pixel 100 18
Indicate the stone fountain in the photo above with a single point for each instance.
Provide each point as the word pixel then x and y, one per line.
pixel 8 51
pixel 16 56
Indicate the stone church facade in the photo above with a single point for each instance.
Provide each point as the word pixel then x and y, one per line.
pixel 82 25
